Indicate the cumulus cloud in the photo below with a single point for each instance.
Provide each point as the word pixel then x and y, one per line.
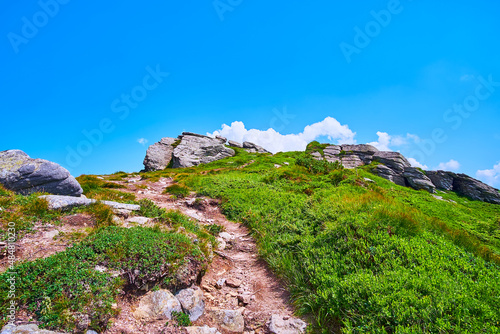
pixel 387 142
pixel 451 165
pixel 274 141
pixel 142 141
pixel 415 163
pixel 490 176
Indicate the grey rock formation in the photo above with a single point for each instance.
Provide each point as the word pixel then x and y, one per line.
pixel 25 329
pixel 418 180
pixel 254 148
pixel 233 143
pixel 58 202
pixel 196 149
pixel 192 302
pixel 474 189
pixel 157 305
pixel 286 325
pixel 351 156
pixel 389 174
pixel 441 179
pixel 24 175
pixel 159 155
pixel 394 160
pixel 229 320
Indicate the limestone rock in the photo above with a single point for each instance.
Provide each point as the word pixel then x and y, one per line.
pixel 254 148
pixel 418 180
pixel 58 202
pixel 159 155
pixel 441 179
pixel 192 302
pixel 286 325
pixel 195 149
pixel 157 305
pixel 233 143
pixel 24 175
pixel 25 329
pixel 230 320
pixel 202 330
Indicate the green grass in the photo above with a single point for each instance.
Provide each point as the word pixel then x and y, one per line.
pixel 177 190
pixel 361 257
pixel 100 189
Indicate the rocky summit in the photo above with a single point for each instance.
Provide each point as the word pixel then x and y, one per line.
pixel 24 175
pixel 191 149
pixel 394 167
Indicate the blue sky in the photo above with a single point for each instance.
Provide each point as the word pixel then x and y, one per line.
pixel 86 84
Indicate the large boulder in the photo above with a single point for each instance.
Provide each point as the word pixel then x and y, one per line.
pixel 229 320
pixel 24 175
pixel 474 189
pixel 418 180
pixel 195 149
pixel 157 305
pixel 192 302
pixel 254 148
pixel 389 174
pixel 441 179
pixel 394 160
pixel 159 155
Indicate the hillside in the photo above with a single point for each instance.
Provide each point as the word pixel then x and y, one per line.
pixel 357 253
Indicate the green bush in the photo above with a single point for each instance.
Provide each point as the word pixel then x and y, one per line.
pixel 177 190
pixel 181 318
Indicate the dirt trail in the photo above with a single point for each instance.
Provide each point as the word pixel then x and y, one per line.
pixel 247 276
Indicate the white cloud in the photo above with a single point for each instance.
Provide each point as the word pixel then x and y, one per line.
pixel 415 163
pixel 274 141
pixel 387 142
pixel 142 141
pixel 490 176
pixel 451 165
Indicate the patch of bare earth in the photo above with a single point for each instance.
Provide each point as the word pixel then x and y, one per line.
pixel 48 239
pixel 249 283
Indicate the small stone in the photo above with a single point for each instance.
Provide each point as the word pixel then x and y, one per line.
pixel 207 287
pixel 233 282
pixel 139 220
pixel 202 330
pixel 220 283
pixel 230 320
pixel 221 244
pixel 244 298
pixel 226 236
pixel 279 325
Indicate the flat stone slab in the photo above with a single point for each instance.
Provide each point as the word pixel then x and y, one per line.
pixel 59 202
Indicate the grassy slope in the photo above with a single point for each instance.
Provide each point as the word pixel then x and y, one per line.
pixel 65 287
pixel 362 257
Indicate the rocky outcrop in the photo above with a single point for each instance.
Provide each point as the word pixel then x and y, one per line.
pixel 394 167
pixel 418 180
pixel 24 175
pixel 196 149
pixel 464 185
pixel 159 155
pixel 233 143
pixel 254 148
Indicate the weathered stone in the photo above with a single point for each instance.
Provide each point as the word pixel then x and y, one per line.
pixel 233 282
pixel 230 320
pixel 24 175
pixel 394 160
pixel 192 302
pixel 361 148
pixel 418 180
pixel 157 305
pixel 351 161
pixel 332 151
pixel 159 155
pixel 202 330
pixel 254 148
pixel 389 174
pixel 138 220
pixel 223 140
pixel 195 149
pixel 441 179
pixel 58 202
pixel 233 143
pixel 286 325
pixel 474 189
pixel 25 329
